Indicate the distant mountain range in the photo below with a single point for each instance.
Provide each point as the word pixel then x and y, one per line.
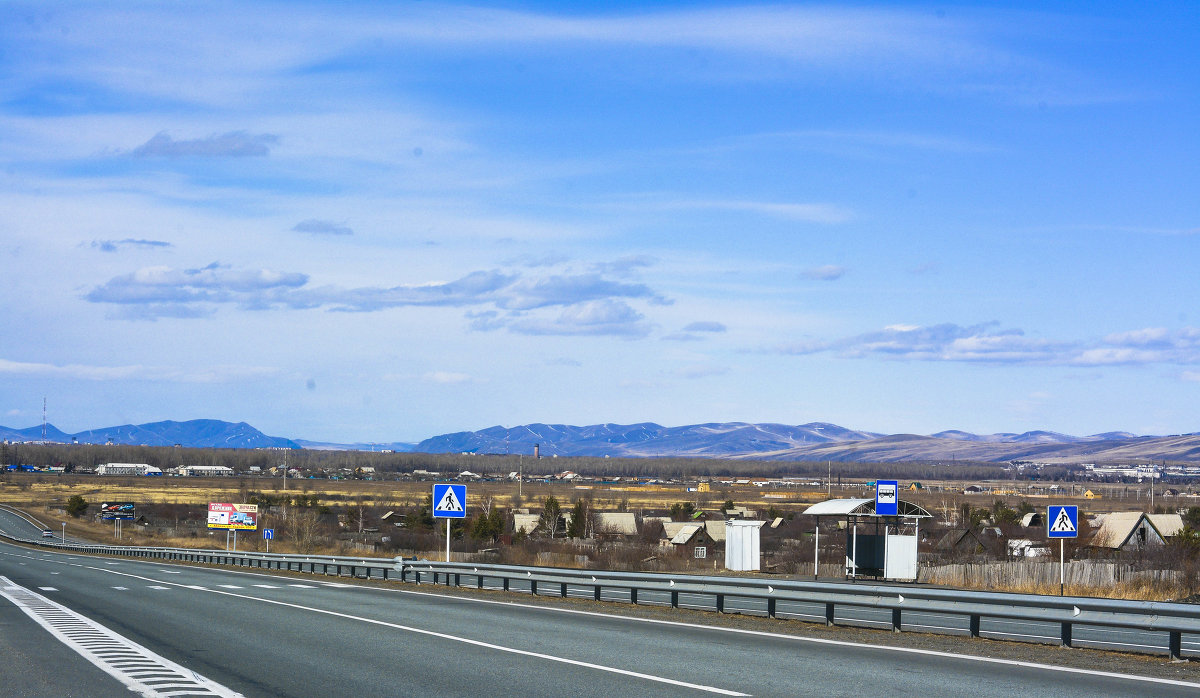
pixel 736 440
pixel 197 433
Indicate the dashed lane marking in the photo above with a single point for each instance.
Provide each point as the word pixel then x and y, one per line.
pixel 136 667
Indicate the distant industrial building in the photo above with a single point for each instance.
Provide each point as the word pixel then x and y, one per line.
pixel 127 469
pixel 205 471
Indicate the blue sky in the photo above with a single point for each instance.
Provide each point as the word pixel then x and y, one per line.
pixel 385 221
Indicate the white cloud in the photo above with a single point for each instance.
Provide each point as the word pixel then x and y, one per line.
pixel 828 272
pixel 320 227
pixel 234 144
pixel 447 377
pixel 984 344
pixel 211 374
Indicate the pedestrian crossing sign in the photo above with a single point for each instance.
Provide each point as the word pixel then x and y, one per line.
pixel 450 501
pixel 1062 521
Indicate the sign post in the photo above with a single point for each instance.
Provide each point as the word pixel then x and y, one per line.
pixel 449 502
pixel 1062 522
pixel 268 534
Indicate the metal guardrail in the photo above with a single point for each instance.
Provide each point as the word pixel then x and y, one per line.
pixel 1172 618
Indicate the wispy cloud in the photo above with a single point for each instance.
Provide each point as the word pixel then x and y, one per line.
pixel 211 284
pixel 115 245
pixel 984 343
pixel 705 326
pixel 625 266
pixel 590 304
pixel 606 317
pixel 828 272
pixel 209 374
pixel 701 371
pixel 234 144
pixel 822 213
pixel 446 377
pixel 320 227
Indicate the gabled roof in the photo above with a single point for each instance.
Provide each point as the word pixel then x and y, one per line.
pixel 1118 527
pixel 619 522
pixel 686 533
pixel 526 522
pixel 1168 525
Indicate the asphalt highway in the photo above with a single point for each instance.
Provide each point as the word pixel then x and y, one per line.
pixel 262 635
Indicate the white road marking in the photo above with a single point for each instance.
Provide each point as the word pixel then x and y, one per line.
pixel 463 640
pixel 158 587
pixel 136 667
pixel 169 571
pixel 302 586
pixel 47 588
pixel 121 588
pixel 265 586
pixel 229 586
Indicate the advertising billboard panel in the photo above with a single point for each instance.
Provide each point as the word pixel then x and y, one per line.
pixel 237 517
pixel 116 510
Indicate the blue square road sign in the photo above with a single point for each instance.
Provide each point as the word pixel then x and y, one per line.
pixel 1062 521
pixel 450 501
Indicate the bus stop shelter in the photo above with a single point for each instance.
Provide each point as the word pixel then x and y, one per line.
pixel 886 548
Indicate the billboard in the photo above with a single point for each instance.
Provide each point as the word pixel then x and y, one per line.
pixel 237 517
pixel 116 510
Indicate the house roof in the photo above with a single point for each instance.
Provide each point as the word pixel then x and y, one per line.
pixel 686 533
pixel 1168 525
pixel 862 507
pixel 1033 518
pixel 620 522
pixel 1117 528
pixel 526 522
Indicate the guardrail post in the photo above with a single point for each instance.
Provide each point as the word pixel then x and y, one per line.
pixel 533 587
pixel 829 614
pixel 674 599
pixel 720 603
pixel 974 625
pixel 505 583
pixel 770 608
pixel 1066 634
pixel 633 595
pixel 479 581
pixel 895 620
pixel 1175 645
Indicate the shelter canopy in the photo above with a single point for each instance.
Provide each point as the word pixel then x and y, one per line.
pixel 863 507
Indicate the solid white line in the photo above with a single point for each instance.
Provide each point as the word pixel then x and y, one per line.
pixel 455 638
pixel 127 678
pixel 798 638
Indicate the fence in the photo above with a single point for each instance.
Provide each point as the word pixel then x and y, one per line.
pixel 1032 574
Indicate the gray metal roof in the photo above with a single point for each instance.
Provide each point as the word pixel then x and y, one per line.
pixel 862 507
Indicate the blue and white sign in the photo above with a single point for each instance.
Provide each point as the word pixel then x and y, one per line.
pixel 1062 521
pixel 450 501
pixel 886 497
pixel 269 533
